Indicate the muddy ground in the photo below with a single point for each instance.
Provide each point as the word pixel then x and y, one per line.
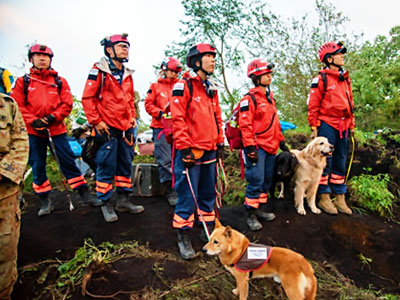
pixel 342 241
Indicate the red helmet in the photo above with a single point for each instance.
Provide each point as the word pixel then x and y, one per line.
pixel 330 48
pixel 109 41
pixel 37 48
pixel 199 50
pixel 171 63
pixel 259 67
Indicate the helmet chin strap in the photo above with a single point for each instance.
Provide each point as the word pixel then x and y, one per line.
pixel 121 60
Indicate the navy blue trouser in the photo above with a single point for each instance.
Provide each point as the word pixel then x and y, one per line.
pixel 162 152
pixel 37 160
pixel 203 178
pixel 259 177
pixel 114 163
pixel 333 176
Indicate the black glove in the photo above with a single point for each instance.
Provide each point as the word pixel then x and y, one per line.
pixel 50 119
pixel 188 157
pixel 251 152
pixel 40 125
pixel 283 146
pixel 220 151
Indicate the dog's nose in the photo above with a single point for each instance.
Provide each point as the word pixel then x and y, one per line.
pixel 204 249
pixel 332 147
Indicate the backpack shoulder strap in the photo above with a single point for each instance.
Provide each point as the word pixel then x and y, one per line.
pixel 58 81
pixel 27 81
pixel 190 86
pixel 253 98
pixel 325 82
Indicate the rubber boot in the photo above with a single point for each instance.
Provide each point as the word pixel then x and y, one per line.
pixel 171 194
pixel 123 204
pixel 185 246
pixel 325 203
pixel 88 198
pixel 252 221
pixel 203 236
pixel 264 216
pixel 341 205
pixel 47 205
pixel 108 212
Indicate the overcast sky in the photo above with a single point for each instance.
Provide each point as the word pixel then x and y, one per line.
pixel 74 28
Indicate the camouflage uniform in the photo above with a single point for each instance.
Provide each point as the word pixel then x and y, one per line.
pixel 14 151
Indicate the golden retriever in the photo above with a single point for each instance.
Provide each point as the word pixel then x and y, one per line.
pixel 312 161
pixel 284 265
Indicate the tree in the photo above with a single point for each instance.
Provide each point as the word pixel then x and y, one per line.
pixel 293 46
pixel 376 82
pixel 226 24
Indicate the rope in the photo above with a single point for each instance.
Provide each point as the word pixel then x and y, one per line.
pixel 351 157
pixel 221 185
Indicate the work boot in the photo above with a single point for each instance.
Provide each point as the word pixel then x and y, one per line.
pixel 341 205
pixel 325 203
pixel 171 194
pixel 264 216
pixel 47 205
pixel 252 221
pixel 123 204
pixel 108 212
pixel 203 236
pixel 88 198
pixel 185 246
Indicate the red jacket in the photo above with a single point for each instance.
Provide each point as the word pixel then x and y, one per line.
pixel 336 107
pixel 104 99
pixel 43 99
pixel 260 125
pixel 196 120
pixel 158 99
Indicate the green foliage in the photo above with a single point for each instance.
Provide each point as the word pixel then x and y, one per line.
pixel 372 193
pixel 236 186
pixel 375 78
pixel 292 45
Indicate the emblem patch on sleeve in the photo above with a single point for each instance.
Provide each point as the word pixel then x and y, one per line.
pixel 93 74
pixel 244 105
pixel 178 89
pixel 314 83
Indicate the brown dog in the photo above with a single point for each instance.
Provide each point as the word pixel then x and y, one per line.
pixel 286 266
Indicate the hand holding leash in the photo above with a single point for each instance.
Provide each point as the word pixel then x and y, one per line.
pixel 314 132
pixel 188 158
pixel 252 155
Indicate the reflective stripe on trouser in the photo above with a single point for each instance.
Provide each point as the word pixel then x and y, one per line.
pixel 209 217
pixel 43 188
pixel 114 161
pixel 335 169
pixel 259 178
pixel 37 160
pixel 10 220
pixel 203 179
pixel 162 152
pixel 178 222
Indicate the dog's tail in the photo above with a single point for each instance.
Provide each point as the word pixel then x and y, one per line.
pixel 308 285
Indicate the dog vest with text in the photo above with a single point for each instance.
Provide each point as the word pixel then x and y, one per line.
pixel 254 258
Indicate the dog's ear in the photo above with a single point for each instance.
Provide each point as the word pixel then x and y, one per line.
pixel 228 232
pixel 217 223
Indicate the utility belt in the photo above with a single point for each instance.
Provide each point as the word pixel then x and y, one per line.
pixel 125 135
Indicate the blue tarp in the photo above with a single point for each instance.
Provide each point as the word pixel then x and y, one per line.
pixel 287 125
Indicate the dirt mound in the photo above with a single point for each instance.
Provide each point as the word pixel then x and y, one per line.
pixel 339 240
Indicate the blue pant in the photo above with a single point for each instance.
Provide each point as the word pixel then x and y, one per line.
pixel 203 178
pixel 114 163
pixel 162 152
pixel 37 160
pixel 259 178
pixel 333 176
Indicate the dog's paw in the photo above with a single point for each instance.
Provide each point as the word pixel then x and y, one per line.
pixel 235 292
pixel 301 211
pixel 316 211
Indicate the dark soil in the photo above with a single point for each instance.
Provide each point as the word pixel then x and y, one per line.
pixel 340 240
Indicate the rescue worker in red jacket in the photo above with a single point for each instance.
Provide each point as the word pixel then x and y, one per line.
pixel 331 114
pixel 199 140
pixel 261 136
pixel 157 105
pixel 108 102
pixel 45 100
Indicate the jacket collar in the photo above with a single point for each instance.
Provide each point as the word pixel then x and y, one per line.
pixel 335 73
pixel 43 72
pixel 104 66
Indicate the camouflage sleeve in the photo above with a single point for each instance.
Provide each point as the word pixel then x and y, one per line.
pixel 13 163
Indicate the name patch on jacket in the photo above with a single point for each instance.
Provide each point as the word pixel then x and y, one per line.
pixel 314 83
pixel 93 74
pixel 254 258
pixel 178 89
pixel 244 105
